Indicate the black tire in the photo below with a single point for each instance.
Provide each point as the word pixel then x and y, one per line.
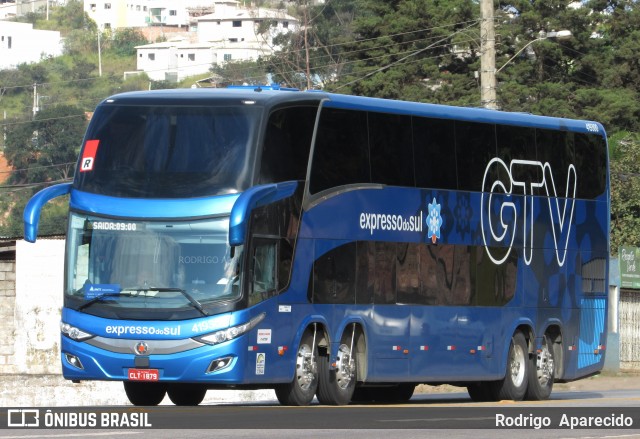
pixel 481 391
pixel 186 394
pixel 145 393
pixel 513 386
pixel 541 372
pixel 336 386
pixel 301 390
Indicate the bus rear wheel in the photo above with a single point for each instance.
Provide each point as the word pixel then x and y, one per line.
pixel 337 384
pixel 541 372
pixel 186 394
pixel 145 393
pixel 514 385
pixel 302 389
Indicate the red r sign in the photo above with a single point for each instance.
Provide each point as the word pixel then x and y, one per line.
pixel 89 155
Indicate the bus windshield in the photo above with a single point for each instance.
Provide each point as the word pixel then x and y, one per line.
pixel 138 269
pixel 168 151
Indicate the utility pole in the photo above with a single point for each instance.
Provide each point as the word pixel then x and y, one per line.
pixel 35 99
pixel 487 56
pixel 99 55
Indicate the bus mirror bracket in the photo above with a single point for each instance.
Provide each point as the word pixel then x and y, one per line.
pixel 251 199
pixel 31 215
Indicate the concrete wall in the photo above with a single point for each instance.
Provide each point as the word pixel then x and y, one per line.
pixel 629 320
pixel 7 328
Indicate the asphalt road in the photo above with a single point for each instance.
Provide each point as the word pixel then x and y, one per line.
pixel 606 414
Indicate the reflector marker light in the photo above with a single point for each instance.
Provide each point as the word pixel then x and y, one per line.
pixel 572 348
pixel 253 348
pixel 424 348
pixel 396 348
pixel 451 348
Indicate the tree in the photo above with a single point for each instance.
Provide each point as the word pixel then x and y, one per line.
pixel 125 41
pixel 47 148
pixel 424 50
pixel 240 72
pixel 312 57
pixel 625 190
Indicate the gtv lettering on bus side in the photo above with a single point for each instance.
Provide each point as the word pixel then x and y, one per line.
pixel 560 211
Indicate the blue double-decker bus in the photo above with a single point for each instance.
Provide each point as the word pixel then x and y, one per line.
pixel 331 246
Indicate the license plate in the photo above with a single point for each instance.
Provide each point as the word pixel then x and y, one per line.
pixel 144 375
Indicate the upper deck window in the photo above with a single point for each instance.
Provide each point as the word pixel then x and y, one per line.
pixel 169 151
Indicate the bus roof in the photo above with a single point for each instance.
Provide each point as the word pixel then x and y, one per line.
pixel 269 96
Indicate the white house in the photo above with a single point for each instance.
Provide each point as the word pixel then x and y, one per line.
pixel 231 33
pixel 174 60
pixel 114 14
pixel 21 43
pixel 172 13
pixel 8 9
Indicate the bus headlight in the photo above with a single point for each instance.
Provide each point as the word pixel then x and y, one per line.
pixel 74 333
pixel 230 333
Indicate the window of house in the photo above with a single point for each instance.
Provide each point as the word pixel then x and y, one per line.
pixel 93 7
pixel 237 23
pixel 233 40
pixel 137 7
pixel 227 57
pixel 107 5
pixel 191 56
pixel 173 12
pixel 285 24
pixel 8 42
pixel 151 56
pixel 107 25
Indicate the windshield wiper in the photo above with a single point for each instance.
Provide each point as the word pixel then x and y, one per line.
pixel 102 297
pixel 197 305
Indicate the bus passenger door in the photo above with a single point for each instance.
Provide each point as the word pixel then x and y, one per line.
pixel 266 347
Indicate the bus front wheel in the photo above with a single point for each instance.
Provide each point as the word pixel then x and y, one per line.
pixel 186 394
pixel 514 385
pixel 337 384
pixel 302 389
pixel 140 393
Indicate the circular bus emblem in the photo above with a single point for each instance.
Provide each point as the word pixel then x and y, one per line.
pixel 141 348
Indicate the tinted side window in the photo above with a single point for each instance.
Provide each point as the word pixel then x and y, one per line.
pixel 287 141
pixel 591 165
pixel 557 149
pixel 391 149
pixel 384 284
pixel 334 275
pixel 408 272
pixel 341 152
pixel 517 143
pixel 475 147
pixel 435 154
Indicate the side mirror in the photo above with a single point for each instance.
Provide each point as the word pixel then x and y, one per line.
pixel 31 215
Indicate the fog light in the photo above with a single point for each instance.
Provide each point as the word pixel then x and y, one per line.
pixel 74 361
pixel 219 364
